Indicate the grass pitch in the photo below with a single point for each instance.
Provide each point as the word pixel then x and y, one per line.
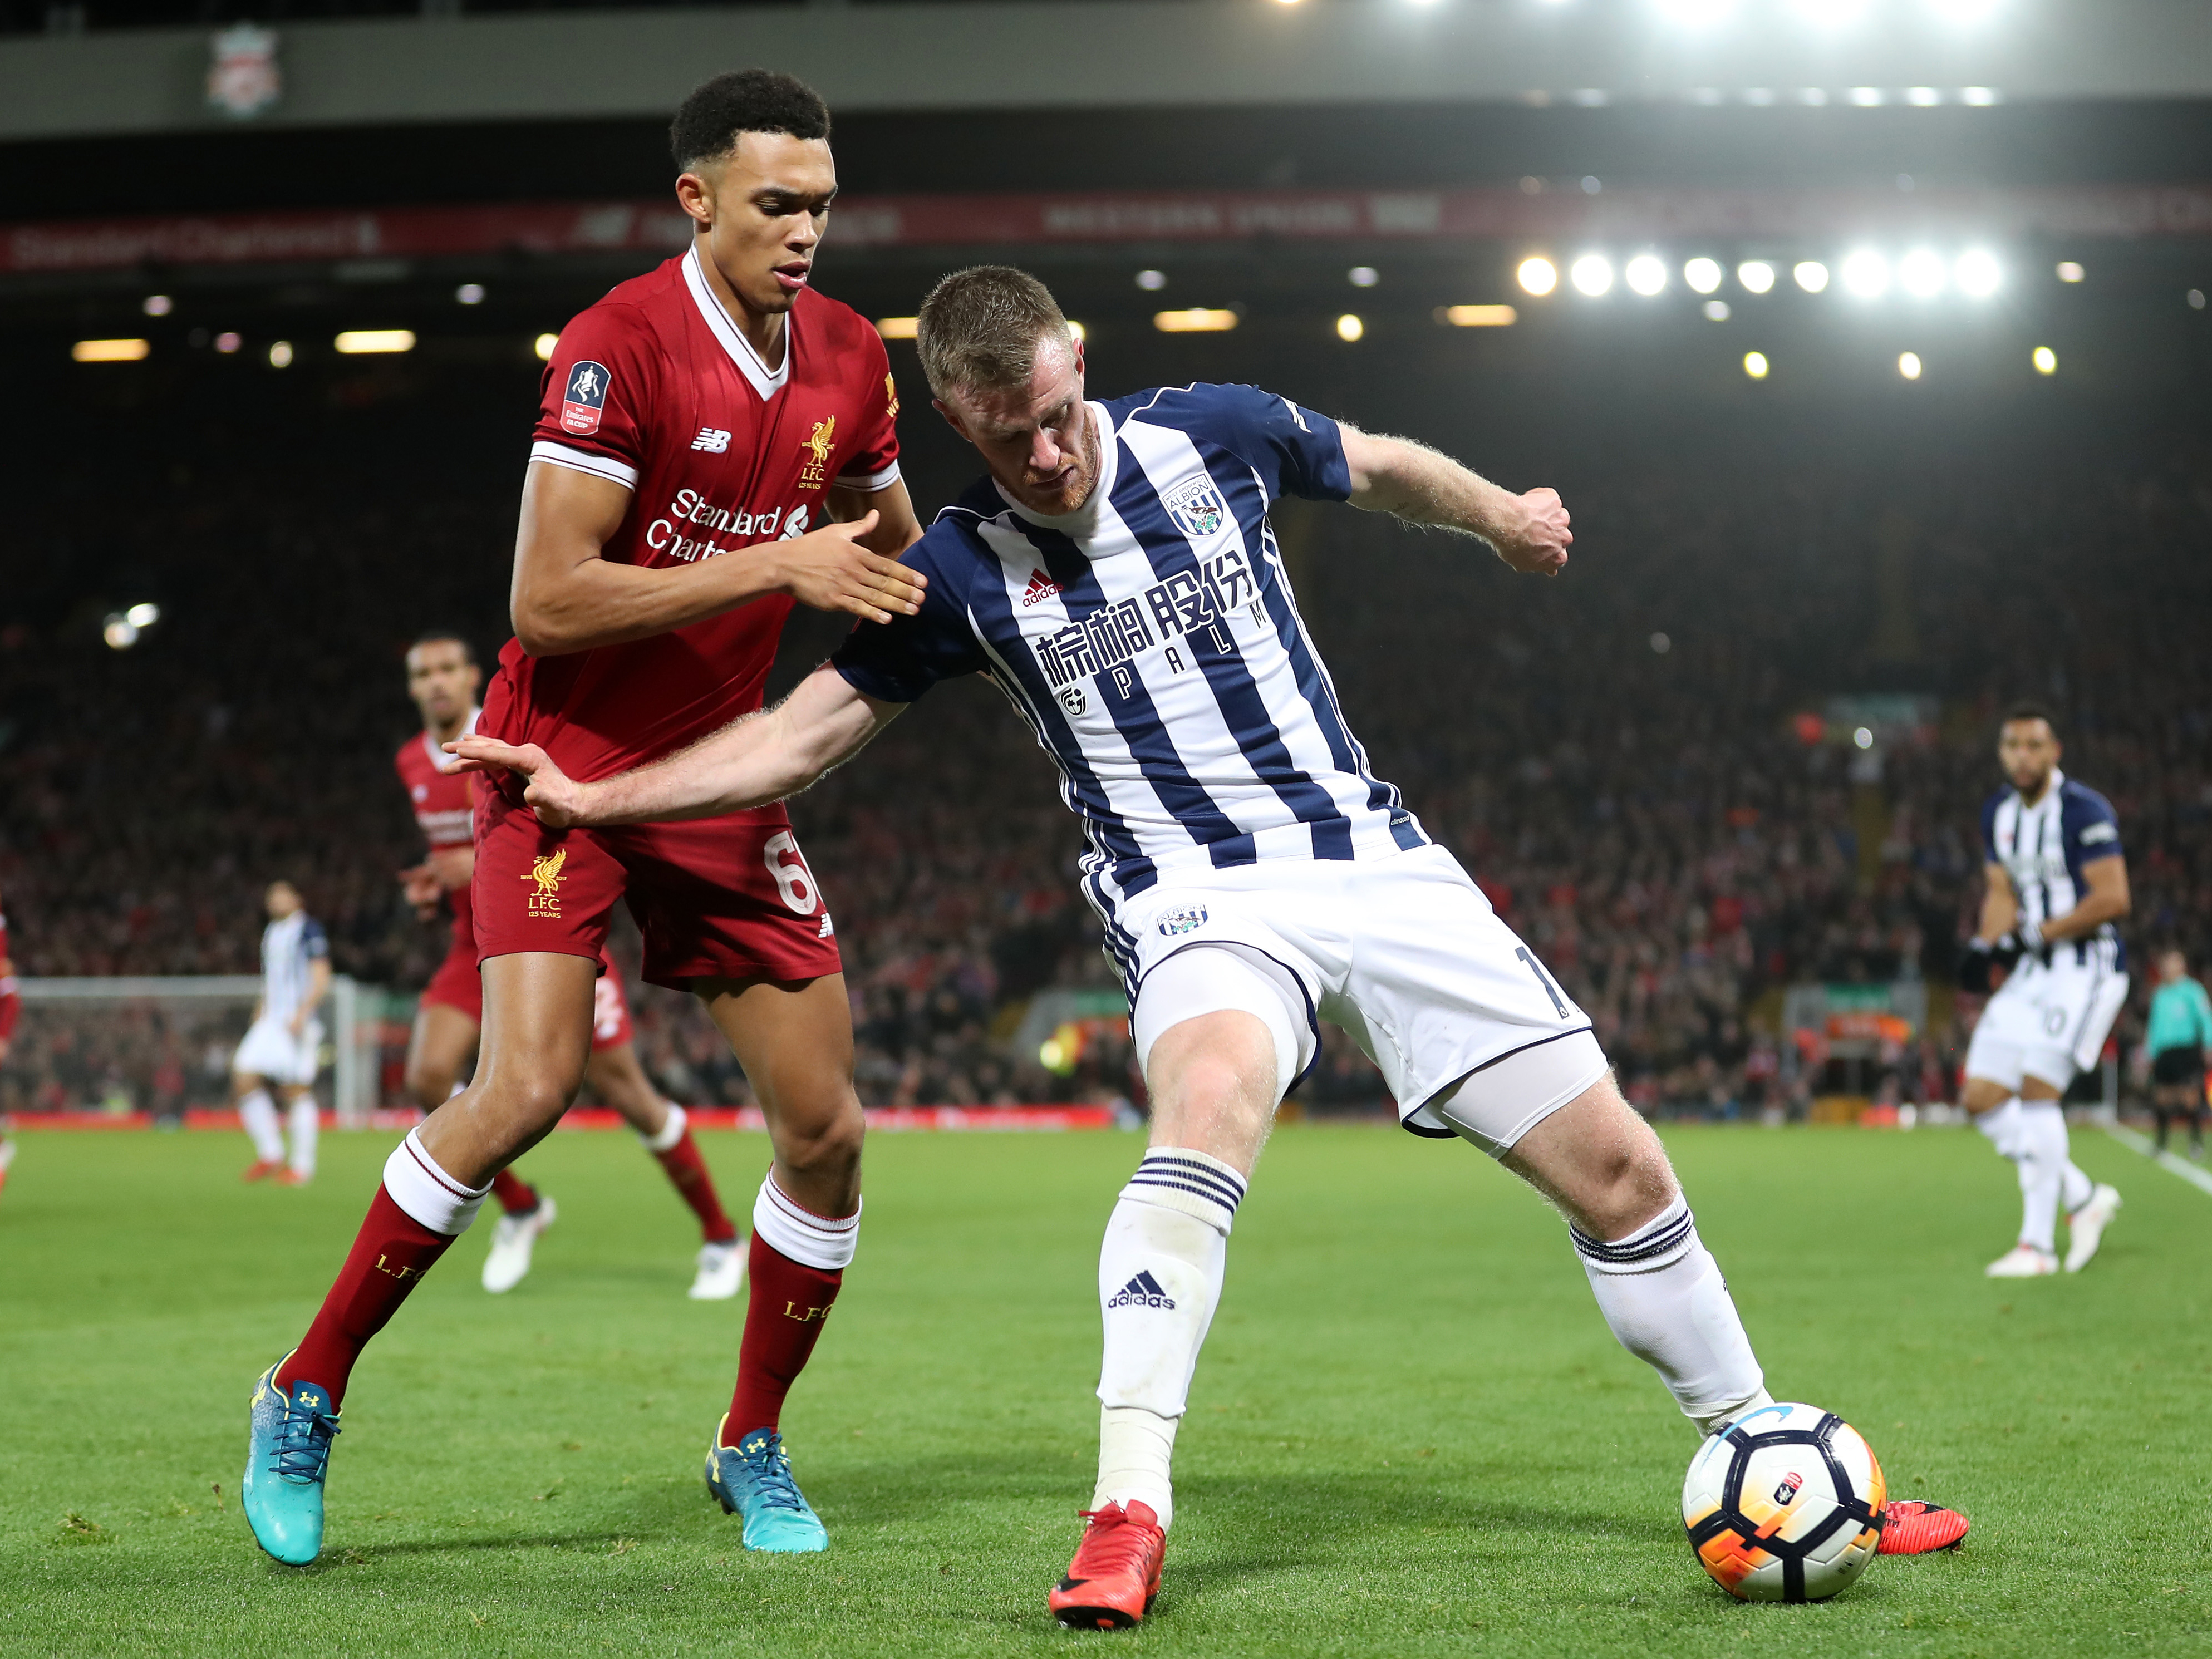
pixel 1411 1433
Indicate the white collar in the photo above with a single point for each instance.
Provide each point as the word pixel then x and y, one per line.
pixel 1080 525
pixel 2050 792
pixel 439 757
pixel 764 381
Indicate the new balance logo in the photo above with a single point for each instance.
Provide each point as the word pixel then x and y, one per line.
pixel 712 440
pixel 1142 1291
pixel 1041 588
pixel 828 926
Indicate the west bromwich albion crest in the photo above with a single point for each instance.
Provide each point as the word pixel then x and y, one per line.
pixel 1196 508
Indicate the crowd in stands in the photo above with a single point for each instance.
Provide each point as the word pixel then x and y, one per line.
pixel 1616 754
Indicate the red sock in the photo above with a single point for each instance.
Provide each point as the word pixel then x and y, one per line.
pixel 389 1255
pixel 687 1167
pixel 516 1196
pixel 789 1304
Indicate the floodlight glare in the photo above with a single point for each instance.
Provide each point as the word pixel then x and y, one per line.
pixel 1866 274
pixel 1754 364
pixel 1908 364
pixel 280 354
pixel 1702 276
pixel 1962 11
pixel 1977 274
pixel 1537 275
pixel 2069 271
pixel 1694 14
pixel 543 344
pixel 1349 328
pixel 1830 14
pixel 1810 275
pixel 1363 275
pixel 1152 281
pixel 1716 311
pixel 1647 274
pixel 1921 273
pixel 898 328
pixel 142 615
pixel 2044 359
pixel 1756 276
pixel 1592 274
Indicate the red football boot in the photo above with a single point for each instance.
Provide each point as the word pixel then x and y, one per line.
pixel 1911 1527
pixel 1115 1574
pixel 261 1168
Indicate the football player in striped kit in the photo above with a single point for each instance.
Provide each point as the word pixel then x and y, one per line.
pixel 282 1049
pixel 2057 881
pixel 1115 577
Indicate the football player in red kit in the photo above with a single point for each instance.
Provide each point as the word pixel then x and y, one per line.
pixel 443 679
pixel 716 442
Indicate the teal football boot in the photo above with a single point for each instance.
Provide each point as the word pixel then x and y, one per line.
pixel 286 1459
pixel 753 1479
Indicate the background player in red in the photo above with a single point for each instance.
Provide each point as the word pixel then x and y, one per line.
pixel 443 679
pixel 716 442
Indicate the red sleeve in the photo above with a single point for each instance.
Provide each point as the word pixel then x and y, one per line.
pixel 596 404
pixel 11 1002
pixel 872 463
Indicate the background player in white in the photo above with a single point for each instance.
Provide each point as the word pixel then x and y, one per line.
pixel 2057 881
pixel 281 1047
pixel 1117 578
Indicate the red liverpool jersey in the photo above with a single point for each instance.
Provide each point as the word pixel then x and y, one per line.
pixel 445 807
pixel 654 388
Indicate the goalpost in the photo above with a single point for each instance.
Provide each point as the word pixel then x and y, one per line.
pixel 160 1046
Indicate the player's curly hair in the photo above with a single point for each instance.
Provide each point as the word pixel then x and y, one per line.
pixel 979 329
pixel 2028 710
pixel 706 126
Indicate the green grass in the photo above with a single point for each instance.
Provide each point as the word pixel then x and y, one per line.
pixel 1411 1432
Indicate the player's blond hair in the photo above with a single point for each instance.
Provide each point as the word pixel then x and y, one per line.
pixel 980 328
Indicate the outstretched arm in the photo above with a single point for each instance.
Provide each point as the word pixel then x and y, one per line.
pixel 752 761
pixel 1419 485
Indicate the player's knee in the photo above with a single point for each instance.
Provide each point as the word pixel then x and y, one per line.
pixel 823 1143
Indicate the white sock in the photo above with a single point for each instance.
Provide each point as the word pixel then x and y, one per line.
pixel 1662 1293
pixel 306 1125
pixel 257 1113
pixel 671 1132
pixel 425 1191
pixel 1160 1269
pixel 2000 1125
pixel 2043 1171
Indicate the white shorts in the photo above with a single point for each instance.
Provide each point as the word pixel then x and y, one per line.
pixel 271 1053
pixel 1404 952
pixel 2049 1022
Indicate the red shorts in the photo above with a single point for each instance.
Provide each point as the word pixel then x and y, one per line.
pixel 716 899
pixel 459 984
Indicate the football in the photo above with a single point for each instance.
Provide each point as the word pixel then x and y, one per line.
pixel 1785 1506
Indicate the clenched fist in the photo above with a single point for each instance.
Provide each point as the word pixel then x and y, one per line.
pixel 1535 540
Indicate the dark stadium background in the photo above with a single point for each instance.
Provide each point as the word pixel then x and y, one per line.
pixel 1656 822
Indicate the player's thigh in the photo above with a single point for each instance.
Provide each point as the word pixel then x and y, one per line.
pixel 1598 1161
pixel 618 1079
pixel 795 1039
pixel 437 1050
pixel 537 1033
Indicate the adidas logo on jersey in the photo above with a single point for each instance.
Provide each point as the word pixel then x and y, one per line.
pixel 712 440
pixel 1142 1291
pixel 1041 588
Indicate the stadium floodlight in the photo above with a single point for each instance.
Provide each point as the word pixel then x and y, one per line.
pixel 1076 331
pixel 280 354
pixel 1866 97
pixel 1980 97
pixel 1349 328
pixel 1810 275
pixel 1866 274
pixel 1152 281
pixel 1863 738
pixel 2196 297
pixel 1363 275
pixel 1920 273
pixel 119 631
pixel 1537 275
pixel 1977 274
pixel 470 293
pixel 1702 275
pixel 1661 645
pixel 1716 311
pixel 2070 270
pixel 226 342
pixel 1592 274
pixel 1923 97
pixel 109 351
pixel 1755 364
pixel 1478 316
pixel 1197 320
pixel 1830 14
pixel 157 305
pixel 898 328
pixel 142 615
pixel 1756 276
pixel 1963 11
pixel 1694 14
pixel 1647 274
pixel 2044 359
pixel 543 344
pixel 1908 364
pixel 374 341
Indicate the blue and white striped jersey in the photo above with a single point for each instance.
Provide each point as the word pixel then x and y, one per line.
pixel 287 948
pixel 1152 642
pixel 2043 847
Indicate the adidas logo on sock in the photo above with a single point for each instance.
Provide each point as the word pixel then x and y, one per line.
pixel 1041 588
pixel 1142 1291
